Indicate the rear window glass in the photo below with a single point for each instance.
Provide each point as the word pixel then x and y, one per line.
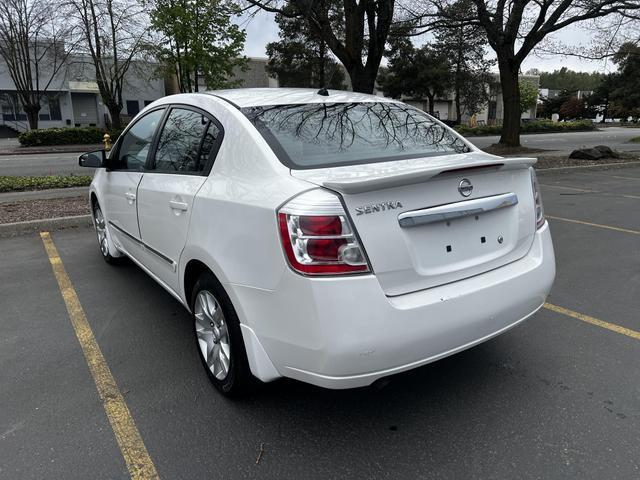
pixel 320 135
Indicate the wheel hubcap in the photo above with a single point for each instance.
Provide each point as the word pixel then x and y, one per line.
pixel 101 231
pixel 212 333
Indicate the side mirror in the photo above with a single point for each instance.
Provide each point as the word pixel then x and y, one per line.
pixel 97 159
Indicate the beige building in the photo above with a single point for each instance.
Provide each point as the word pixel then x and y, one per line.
pixel 491 114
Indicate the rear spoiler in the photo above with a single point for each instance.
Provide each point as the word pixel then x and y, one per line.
pixel 410 176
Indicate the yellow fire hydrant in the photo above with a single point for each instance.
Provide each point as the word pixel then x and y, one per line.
pixel 107 141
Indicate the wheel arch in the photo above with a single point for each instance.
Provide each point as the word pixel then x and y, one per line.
pixel 260 364
pixel 192 271
pixel 94 200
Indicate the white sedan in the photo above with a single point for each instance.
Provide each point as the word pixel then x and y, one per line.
pixel 331 237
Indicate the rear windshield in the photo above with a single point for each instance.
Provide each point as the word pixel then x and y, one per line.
pixel 320 135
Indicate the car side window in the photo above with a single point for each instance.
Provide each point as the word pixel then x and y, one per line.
pixel 136 143
pixel 186 142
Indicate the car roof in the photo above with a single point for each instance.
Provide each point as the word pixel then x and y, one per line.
pixel 253 97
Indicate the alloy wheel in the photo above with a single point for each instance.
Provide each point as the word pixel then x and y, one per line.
pixel 101 231
pixel 213 334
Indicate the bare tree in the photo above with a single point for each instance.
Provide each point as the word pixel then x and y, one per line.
pixel 359 39
pixel 513 29
pixel 112 34
pixel 32 46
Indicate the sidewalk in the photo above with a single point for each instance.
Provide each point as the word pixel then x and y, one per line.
pixel 11 146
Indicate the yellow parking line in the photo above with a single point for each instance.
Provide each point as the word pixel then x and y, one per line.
pixel 598 225
pixel 135 454
pixel 593 321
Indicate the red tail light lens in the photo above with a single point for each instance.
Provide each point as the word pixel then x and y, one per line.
pixel 317 236
pixel 321 225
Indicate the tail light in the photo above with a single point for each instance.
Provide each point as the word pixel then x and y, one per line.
pixel 317 236
pixel 537 200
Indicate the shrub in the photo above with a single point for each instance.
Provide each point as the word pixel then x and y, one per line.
pixel 534 126
pixel 65 136
pixel 17 184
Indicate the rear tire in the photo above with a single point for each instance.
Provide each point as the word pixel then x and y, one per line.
pixel 219 338
pixel 100 225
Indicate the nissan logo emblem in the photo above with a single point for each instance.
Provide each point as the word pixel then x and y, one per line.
pixel 465 188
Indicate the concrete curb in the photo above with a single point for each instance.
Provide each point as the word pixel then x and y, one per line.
pixel 50 149
pixel 47 224
pixel 599 166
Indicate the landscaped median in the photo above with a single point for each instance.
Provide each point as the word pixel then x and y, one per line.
pixel 32 204
pixel 537 126
pixel 20 184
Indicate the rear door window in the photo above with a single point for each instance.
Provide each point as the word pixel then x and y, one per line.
pixel 186 142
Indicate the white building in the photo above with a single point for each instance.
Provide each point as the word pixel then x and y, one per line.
pixel 73 99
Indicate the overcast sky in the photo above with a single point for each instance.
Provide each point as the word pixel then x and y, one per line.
pixel 262 29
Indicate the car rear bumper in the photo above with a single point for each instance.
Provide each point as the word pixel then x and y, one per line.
pixel 344 332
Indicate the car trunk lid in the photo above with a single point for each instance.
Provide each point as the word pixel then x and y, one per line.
pixel 427 222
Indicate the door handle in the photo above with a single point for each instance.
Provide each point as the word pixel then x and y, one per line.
pixel 130 196
pixel 175 205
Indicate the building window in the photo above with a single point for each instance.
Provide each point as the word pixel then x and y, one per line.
pixel 148 102
pixel 11 108
pixel 133 107
pixel 53 101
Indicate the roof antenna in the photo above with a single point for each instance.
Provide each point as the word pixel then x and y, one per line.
pixel 323 91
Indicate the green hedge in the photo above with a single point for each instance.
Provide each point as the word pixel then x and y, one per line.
pixel 635 140
pixel 18 184
pixel 65 136
pixel 536 126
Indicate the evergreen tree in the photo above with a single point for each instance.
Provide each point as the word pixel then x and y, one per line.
pixel 414 72
pixel 301 57
pixel 465 44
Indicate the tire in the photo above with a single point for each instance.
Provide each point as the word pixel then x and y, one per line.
pixel 219 338
pixel 100 226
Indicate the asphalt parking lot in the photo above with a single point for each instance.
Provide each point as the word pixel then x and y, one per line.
pixel 556 397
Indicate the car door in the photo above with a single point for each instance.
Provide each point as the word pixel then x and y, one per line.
pixel 183 157
pixel 126 166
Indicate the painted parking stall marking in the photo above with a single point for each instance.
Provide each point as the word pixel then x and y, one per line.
pixel 597 225
pixel 133 450
pixel 593 321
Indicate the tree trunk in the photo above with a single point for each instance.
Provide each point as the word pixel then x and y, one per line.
pixel 431 102
pixel 32 111
pixel 362 79
pixel 321 67
pixel 511 104
pixel 114 113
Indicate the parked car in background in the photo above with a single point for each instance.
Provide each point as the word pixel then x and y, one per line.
pixel 331 237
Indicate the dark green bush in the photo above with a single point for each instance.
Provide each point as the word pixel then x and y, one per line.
pixel 17 184
pixel 534 126
pixel 65 136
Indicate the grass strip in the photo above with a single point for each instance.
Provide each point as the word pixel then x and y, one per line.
pixel 24 183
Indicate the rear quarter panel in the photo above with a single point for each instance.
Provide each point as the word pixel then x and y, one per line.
pixel 233 227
